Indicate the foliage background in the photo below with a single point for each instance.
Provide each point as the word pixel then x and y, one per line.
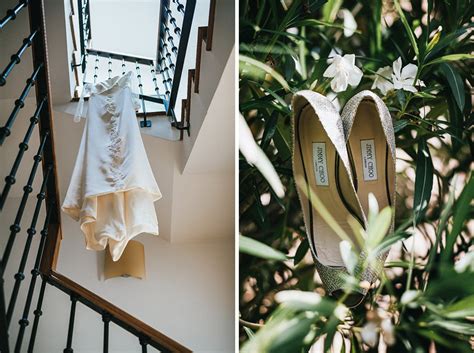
pixel 284 46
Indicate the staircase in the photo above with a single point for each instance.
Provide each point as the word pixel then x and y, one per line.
pixel 44 234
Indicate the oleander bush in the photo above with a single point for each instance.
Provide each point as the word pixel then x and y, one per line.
pixel 417 56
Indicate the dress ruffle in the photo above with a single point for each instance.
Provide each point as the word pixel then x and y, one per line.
pixel 112 190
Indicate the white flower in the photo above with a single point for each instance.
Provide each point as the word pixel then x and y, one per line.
pixel 334 100
pixel 343 72
pixel 350 24
pixel 348 256
pixel 388 331
pixel 466 263
pixel 255 156
pixel 369 334
pixel 292 30
pixel 405 78
pixel 341 312
pixel 265 198
pixel 408 297
pixel 382 77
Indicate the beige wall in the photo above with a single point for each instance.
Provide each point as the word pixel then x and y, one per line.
pixel 188 293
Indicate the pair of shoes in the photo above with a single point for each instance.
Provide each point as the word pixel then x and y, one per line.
pixel 341 160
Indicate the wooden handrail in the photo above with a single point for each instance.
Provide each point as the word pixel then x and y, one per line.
pixel 210 25
pixel 205 35
pixel 117 315
pixel 40 55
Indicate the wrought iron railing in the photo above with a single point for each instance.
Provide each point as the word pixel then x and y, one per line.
pixel 43 167
pixel 163 72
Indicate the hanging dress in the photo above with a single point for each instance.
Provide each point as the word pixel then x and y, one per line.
pixel 112 189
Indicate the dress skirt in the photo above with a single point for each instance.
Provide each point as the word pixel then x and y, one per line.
pixel 112 189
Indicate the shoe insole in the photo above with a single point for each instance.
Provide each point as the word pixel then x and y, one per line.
pixel 371 156
pixel 318 159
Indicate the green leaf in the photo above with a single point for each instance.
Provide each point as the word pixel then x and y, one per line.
pixel 292 337
pixel 456 127
pixel 330 328
pixel 319 207
pixel 317 23
pixel 330 10
pixel 455 83
pixel 444 41
pixel 454 326
pixel 301 251
pixel 460 309
pixel 249 332
pixel 451 57
pixel 262 67
pixel 408 29
pixel 400 125
pixel 253 247
pixel 423 180
pixel 461 215
pixel 282 139
pixel 379 227
pixel 270 127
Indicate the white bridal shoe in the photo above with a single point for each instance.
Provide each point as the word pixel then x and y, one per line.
pixel 337 162
pixel 368 128
pixel 322 168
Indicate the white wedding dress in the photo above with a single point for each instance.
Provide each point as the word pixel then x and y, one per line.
pixel 112 189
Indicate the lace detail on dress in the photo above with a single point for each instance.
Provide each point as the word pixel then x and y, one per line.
pixel 89 88
pixel 116 177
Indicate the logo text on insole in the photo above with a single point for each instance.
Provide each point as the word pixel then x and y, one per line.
pixel 320 163
pixel 369 162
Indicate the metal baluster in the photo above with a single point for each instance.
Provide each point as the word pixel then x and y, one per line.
pixel 82 39
pixel 166 76
pixel 11 13
pixel 34 275
pixel 164 46
pixel 38 312
pixel 84 70
pixel 145 122
pixel 106 320
pixel 70 330
pixel 172 20
pixel 155 82
pixel 174 48
pixel 143 342
pixel 19 104
pixel 179 6
pixel 183 41
pixel 16 58
pixel 110 67
pixel 27 189
pixel 96 67
pixel 20 276
pixel 3 321
pixel 10 179
pixel 88 24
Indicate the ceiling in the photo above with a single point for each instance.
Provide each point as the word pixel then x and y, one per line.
pixel 129 27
